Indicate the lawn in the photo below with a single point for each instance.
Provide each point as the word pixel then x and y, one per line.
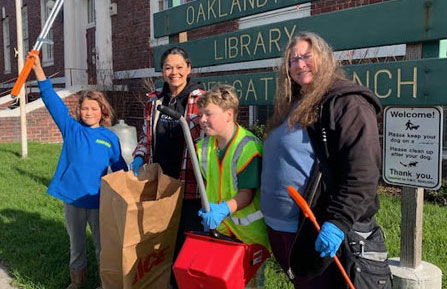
pixel 34 244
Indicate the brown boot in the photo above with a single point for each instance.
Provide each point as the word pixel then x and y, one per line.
pixel 78 278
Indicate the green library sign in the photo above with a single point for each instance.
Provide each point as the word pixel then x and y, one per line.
pixel 202 13
pixel 386 23
pixel 405 83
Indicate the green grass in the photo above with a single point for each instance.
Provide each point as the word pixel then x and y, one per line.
pixel 34 244
pixel 434 241
pixel 35 248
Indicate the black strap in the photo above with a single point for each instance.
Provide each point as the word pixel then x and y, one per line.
pixel 313 184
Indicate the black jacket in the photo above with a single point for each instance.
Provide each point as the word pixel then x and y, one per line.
pixel 350 165
pixel 169 149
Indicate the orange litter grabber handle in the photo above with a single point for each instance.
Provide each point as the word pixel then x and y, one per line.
pixel 24 74
pixel 40 40
pixel 301 202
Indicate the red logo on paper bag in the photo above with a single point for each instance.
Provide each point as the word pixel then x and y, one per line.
pixel 146 265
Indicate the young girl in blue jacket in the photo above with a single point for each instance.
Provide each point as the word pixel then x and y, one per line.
pixel 88 150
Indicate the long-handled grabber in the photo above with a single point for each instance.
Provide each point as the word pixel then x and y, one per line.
pixel 192 152
pixel 301 202
pixel 36 48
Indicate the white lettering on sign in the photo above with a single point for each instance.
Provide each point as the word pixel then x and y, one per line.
pixel 213 9
pixel 262 42
pixel 413 146
pixel 247 90
pixel 386 84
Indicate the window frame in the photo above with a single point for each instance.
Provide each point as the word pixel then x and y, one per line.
pixel 25 32
pixel 47 49
pixel 91 15
pixel 6 45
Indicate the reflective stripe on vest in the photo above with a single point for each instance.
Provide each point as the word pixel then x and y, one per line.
pixel 204 163
pixel 248 219
pixel 205 149
pixel 237 154
pixel 221 177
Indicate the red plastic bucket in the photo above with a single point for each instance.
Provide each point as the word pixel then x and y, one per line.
pixel 209 263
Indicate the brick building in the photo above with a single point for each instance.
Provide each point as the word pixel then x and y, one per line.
pixel 109 45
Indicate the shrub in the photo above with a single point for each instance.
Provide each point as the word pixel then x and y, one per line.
pixel 258 130
pixel 438 197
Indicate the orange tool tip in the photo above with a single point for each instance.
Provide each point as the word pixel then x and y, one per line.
pixel 300 201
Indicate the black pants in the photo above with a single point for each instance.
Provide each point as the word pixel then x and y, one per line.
pixel 189 221
pixel 281 243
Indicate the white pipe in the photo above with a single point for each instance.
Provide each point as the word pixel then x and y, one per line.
pixel 24 137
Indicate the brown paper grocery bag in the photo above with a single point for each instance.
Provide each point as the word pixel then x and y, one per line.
pixel 139 220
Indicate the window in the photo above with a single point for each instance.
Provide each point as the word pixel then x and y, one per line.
pixel 47 49
pixel 6 45
pixel 25 31
pixel 91 16
pixel 163 4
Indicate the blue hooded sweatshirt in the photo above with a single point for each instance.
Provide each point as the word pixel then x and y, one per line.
pixel 85 157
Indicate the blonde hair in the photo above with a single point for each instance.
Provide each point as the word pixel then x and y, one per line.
pixel 326 72
pixel 106 108
pixel 222 95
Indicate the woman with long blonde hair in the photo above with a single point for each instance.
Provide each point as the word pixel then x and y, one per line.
pixel 322 122
pixel 325 72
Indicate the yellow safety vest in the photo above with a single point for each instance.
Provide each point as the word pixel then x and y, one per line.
pixel 221 184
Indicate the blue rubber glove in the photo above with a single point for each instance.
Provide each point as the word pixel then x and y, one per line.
pixel 215 216
pixel 136 164
pixel 329 240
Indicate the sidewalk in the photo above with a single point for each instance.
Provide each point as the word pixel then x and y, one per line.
pixel 5 280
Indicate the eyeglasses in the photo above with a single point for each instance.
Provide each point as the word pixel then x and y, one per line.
pixel 295 60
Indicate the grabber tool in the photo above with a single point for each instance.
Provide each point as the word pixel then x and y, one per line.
pixel 192 152
pixel 301 202
pixel 212 260
pixel 36 48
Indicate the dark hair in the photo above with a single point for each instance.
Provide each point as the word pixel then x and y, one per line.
pixel 178 51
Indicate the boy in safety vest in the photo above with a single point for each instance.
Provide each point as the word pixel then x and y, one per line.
pixel 230 162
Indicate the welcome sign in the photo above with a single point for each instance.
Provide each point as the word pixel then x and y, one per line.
pixel 413 146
